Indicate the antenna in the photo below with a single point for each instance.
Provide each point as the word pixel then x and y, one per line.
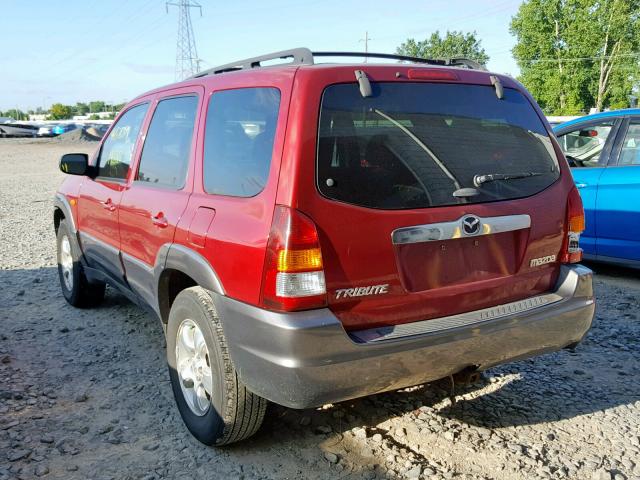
pixel 366 44
pixel 187 61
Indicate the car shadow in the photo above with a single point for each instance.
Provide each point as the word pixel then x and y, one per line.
pixel 596 376
pixel 593 377
pixel 616 274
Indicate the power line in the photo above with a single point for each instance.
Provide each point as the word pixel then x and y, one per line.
pixel 187 61
pixel 582 59
pixel 106 46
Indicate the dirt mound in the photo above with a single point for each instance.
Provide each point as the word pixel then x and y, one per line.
pixel 93 131
pixel 75 136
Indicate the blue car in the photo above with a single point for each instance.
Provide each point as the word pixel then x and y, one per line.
pixel 604 152
pixel 63 128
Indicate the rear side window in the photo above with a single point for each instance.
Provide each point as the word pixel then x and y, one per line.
pixel 117 149
pixel 239 137
pixel 416 145
pixel 630 154
pixel 165 156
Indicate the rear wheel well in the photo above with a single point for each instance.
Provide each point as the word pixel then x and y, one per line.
pixel 172 282
pixel 58 216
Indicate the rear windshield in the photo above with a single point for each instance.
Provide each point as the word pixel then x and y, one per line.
pixel 416 145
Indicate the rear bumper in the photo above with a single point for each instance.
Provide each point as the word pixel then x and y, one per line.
pixel 307 359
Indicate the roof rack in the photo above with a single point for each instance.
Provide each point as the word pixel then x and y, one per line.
pixel 304 56
pixel 299 56
pixel 447 62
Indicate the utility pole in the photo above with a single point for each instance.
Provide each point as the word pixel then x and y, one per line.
pixel 366 44
pixel 187 62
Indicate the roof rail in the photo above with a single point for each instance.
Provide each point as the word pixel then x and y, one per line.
pixel 447 62
pixel 299 56
pixel 304 56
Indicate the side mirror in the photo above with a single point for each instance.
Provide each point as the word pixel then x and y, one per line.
pixel 75 164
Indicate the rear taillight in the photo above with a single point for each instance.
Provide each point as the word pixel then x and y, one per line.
pixel 571 251
pixel 293 274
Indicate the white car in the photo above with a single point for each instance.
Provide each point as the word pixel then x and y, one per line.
pixel 45 131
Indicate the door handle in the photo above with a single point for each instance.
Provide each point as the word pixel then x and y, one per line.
pixel 108 204
pixel 159 220
pixel 581 185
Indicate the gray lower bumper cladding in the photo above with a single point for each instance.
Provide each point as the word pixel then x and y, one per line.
pixel 307 359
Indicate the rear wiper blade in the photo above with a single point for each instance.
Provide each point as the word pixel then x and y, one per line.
pixel 492 177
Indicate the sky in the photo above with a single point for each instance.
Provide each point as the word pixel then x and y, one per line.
pixel 113 50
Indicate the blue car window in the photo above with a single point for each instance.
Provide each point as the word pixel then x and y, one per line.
pixel 584 145
pixel 630 153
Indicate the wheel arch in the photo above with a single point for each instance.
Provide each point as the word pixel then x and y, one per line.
pixel 62 210
pixel 180 268
pixel 58 216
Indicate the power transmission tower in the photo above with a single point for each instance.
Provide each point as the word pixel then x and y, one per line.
pixel 187 61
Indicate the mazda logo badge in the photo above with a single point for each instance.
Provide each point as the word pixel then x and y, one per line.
pixel 471 225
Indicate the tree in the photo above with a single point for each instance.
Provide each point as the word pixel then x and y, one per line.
pixel 578 54
pixel 81 108
pixel 454 44
pixel 14 113
pixel 96 106
pixel 59 111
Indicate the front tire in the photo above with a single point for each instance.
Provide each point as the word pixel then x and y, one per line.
pixel 214 404
pixel 75 287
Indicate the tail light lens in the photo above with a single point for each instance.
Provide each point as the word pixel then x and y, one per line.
pixel 431 74
pixel 571 251
pixel 293 273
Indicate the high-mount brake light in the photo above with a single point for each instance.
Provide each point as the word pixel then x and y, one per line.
pixel 571 251
pixel 431 74
pixel 293 273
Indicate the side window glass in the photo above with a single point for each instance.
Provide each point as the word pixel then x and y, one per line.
pixel 583 146
pixel 240 131
pixel 630 153
pixel 167 148
pixel 117 149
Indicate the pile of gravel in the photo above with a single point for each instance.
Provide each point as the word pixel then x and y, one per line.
pixel 75 136
pixel 86 393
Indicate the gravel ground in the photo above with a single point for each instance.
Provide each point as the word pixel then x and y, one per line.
pixel 85 394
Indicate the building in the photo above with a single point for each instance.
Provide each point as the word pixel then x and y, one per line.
pixel 37 117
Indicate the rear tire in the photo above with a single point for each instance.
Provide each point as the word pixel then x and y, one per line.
pixel 74 284
pixel 214 404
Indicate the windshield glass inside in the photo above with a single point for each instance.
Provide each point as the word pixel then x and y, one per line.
pixel 416 145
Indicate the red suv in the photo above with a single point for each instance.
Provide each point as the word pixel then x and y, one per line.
pixel 310 233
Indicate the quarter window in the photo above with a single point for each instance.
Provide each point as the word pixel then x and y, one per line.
pixel 117 149
pixel 167 148
pixel 584 145
pixel 239 138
